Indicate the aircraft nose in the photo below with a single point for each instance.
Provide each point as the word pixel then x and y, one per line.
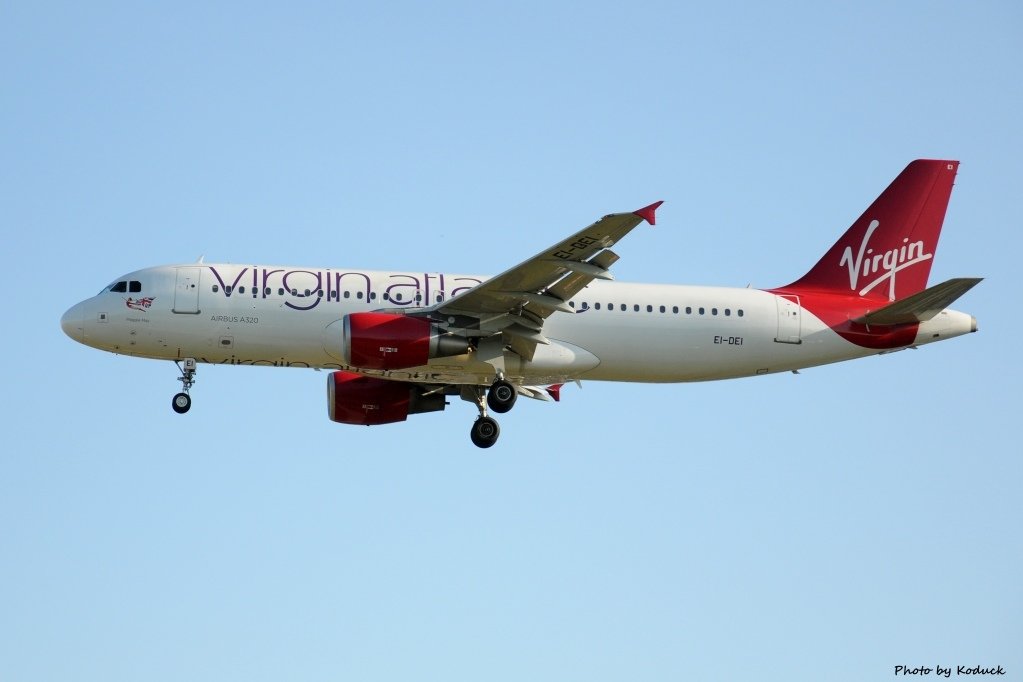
pixel 71 323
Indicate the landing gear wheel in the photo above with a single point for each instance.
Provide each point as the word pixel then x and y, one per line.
pixel 484 432
pixel 502 396
pixel 181 403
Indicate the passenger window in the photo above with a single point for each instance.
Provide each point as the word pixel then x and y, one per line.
pixel 386 296
pixel 266 291
pixel 624 307
pixel 674 309
pixel 280 291
pixel 650 309
pixel 701 311
pixel 636 307
pixel 373 296
pixel 740 312
pixel 216 288
pixel 319 293
pixel 397 297
pixel 728 312
pixel 227 290
pixel 440 297
pixel 689 310
pixel 713 311
pixel 596 306
pixel 120 287
pixel 348 294
pixel 662 308
pixel 358 294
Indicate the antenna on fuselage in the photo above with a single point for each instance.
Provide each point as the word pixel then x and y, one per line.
pixel 199 262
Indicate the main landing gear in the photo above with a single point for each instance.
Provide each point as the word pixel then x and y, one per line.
pixel 485 431
pixel 182 401
pixel 500 398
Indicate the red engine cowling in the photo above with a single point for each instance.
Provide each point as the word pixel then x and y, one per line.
pixel 356 399
pixel 388 341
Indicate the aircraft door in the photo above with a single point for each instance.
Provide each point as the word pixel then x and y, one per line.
pixel 186 292
pixel 789 323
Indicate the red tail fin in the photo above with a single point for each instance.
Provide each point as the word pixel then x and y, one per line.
pixel 888 251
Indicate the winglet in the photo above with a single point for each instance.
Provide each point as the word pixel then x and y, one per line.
pixel 647 213
pixel 555 392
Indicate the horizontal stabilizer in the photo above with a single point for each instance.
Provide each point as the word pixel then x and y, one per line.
pixel 534 392
pixel 921 306
pixel 549 394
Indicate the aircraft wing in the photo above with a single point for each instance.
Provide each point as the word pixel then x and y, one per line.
pixel 516 302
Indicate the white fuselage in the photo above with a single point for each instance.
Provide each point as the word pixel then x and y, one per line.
pixel 291 317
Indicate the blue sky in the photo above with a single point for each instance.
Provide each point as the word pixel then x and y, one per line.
pixel 830 525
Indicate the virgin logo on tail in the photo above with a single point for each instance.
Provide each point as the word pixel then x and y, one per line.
pixel 887 263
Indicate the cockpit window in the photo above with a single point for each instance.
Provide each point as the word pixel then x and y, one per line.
pixel 133 286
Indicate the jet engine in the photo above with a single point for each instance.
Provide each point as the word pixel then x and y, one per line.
pixel 389 341
pixel 356 399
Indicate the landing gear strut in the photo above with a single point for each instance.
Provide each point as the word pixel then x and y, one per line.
pixel 484 430
pixel 182 401
pixel 500 398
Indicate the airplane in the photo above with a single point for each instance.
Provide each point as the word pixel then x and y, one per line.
pixel 400 343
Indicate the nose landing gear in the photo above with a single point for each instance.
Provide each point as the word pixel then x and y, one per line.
pixel 182 402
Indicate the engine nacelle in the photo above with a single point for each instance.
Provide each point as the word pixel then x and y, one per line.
pixel 356 399
pixel 389 341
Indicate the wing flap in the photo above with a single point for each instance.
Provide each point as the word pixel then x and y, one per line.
pixel 521 332
pixel 584 268
pixel 571 284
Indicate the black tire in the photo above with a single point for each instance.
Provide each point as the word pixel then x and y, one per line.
pixel 181 403
pixel 501 396
pixel 484 432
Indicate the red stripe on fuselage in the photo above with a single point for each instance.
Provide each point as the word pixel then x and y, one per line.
pixel 838 311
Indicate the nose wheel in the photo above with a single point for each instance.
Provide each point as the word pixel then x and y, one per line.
pixel 182 402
